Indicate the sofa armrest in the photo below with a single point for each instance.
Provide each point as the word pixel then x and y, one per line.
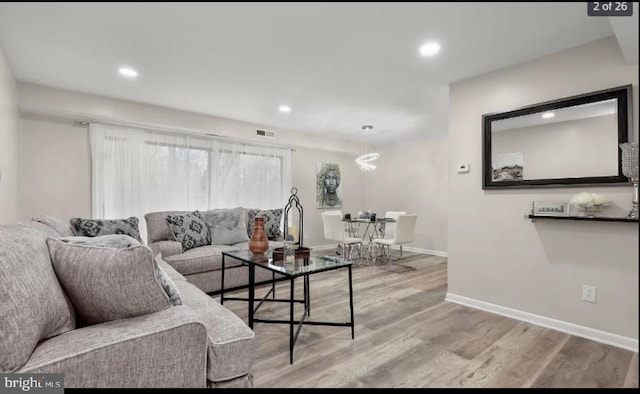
pixel 166 248
pixel 162 349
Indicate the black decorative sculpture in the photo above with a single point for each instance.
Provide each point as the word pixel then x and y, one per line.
pixel 294 201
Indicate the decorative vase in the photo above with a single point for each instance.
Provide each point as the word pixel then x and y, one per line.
pixel 258 244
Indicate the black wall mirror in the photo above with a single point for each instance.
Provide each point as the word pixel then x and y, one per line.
pixel 572 141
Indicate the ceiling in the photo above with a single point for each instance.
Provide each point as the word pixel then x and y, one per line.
pixel 337 65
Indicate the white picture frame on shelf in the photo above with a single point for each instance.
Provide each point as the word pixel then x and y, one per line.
pixel 550 208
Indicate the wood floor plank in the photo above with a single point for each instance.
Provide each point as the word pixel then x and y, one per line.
pixel 631 380
pixel 407 336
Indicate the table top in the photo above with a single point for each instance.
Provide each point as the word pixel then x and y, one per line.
pixel 363 220
pixel 301 266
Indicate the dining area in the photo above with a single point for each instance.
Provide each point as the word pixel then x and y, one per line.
pixel 371 235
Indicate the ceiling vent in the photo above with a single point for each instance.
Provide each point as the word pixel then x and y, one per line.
pixel 266 133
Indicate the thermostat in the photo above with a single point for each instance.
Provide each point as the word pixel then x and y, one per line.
pixel 463 168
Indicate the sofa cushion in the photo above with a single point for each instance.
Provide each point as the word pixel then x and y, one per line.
pixel 33 305
pixel 60 226
pixel 97 227
pixel 231 348
pixel 173 274
pixel 227 226
pixel 107 284
pixel 157 228
pixel 272 219
pixel 204 258
pixel 189 229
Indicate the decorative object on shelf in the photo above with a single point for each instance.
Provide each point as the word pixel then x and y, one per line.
pixel 365 214
pixel 365 160
pixel 589 203
pixel 630 170
pixel 550 208
pixel 328 190
pixel 258 244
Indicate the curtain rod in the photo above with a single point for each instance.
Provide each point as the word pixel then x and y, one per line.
pixel 85 119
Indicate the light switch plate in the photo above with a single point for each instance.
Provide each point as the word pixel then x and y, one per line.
pixel 463 168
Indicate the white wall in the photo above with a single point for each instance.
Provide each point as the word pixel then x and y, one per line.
pixel 497 256
pixel 56 161
pixel 8 143
pixel 556 150
pixel 411 176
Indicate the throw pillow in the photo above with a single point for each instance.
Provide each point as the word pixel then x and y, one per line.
pixel 105 284
pixel 168 285
pixel 272 219
pixel 118 241
pixel 96 227
pixel 189 229
pixel 121 241
pixel 227 226
pixel 59 225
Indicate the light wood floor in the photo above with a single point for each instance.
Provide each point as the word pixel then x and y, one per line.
pixel 406 335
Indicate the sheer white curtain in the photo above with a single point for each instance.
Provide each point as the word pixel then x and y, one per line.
pixel 136 171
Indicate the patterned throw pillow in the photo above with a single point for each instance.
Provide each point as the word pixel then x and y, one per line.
pixel 189 229
pixel 96 227
pixel 272 219
pixel 227 226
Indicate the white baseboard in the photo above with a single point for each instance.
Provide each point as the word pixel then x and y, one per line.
pixel 559 325
pixel 422 251
pixel 395 247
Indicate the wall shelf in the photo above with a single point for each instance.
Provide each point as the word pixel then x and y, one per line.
pixel 584 218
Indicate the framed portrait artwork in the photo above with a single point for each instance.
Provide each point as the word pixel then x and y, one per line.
pixel 328 189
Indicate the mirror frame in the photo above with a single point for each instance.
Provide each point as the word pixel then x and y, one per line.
pixel 624 96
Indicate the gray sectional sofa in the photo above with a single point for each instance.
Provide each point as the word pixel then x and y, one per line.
pixel 202 266
pixel 197 344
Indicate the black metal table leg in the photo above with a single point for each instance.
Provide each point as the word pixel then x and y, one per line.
pixel 351 304
pixel 251 293
pixel 222 284
pixel 307 294
pixel 291 319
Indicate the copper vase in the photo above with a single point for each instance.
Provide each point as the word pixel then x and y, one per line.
pixel 258 244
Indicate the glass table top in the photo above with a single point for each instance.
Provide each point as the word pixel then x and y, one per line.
pixel 301 266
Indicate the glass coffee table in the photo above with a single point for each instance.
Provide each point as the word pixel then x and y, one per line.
pixel 301 267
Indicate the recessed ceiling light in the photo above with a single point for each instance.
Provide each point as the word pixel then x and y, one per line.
pixel 128 72
pixel 429 49
pixel 367 128
pixel 548 115
pixel 284 109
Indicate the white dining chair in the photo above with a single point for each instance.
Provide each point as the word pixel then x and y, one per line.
pixel 390 228
pixel 334 231
pixel 405 227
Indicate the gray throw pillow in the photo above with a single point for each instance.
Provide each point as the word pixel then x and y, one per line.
pixel 121 241
pixel 189 229
pixel 272 219
pixel 167 284
pixel 118 241
pixel 227 226
pixel 96 227
pixel 59 225
pixel 105 284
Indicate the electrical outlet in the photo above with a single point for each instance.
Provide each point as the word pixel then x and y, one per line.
pixel 589 293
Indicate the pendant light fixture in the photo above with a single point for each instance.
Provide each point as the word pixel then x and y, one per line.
pixel 365 160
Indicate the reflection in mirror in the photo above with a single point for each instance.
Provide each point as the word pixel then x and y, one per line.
pixel 572 142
